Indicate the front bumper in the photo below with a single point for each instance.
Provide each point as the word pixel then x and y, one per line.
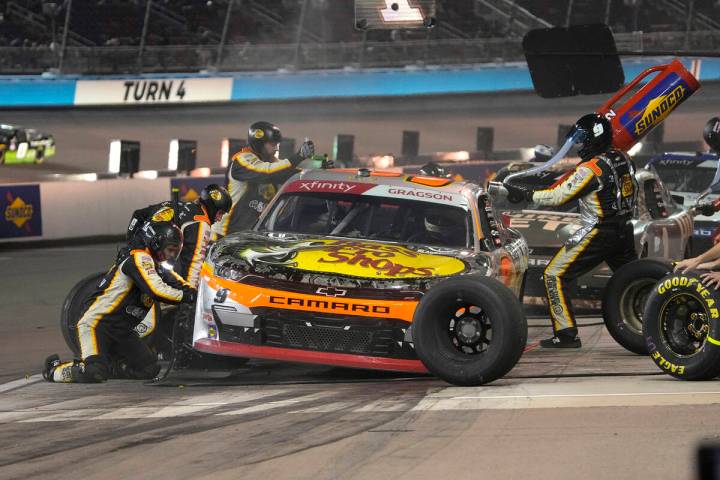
pixel 237 320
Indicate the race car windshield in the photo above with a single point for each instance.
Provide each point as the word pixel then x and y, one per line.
pixel 377 218
pixel 679 178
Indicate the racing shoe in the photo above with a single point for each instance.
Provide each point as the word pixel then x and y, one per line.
pixel 51 363
pixel 561 341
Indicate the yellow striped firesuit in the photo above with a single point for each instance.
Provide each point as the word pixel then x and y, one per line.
pixel 606 190
pixel 105 331
pixel 252 183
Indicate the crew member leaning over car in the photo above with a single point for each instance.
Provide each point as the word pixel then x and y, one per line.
pixel 605 186
pixel 195 220
pixel 105 330
pixel 254 175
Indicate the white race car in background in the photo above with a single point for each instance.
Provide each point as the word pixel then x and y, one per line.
pixel 687 175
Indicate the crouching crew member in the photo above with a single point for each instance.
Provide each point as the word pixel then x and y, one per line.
pixel 106 329
pixel 195 220
pixel 605 186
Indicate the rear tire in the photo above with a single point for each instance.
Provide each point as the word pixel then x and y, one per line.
pixel 624 300
pixel 682 327
pixel 74 307
pixel 469 330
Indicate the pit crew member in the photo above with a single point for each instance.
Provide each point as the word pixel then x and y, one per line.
pixel 105 330
pixel 254 175
pixel 606 189
pixel 195 220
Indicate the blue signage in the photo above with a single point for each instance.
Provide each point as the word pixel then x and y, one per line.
pixel 20 210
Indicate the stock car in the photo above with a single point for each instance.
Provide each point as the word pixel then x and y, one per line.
pixel 24 145
pixel 662 229
pixel 687 175
pixel 373 270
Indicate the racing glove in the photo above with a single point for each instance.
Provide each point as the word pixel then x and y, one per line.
pixel 706 209
pixel 189 295
pixel 327 163
pixel 307 149
pixel 517 194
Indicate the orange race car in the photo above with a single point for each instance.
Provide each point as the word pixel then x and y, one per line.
pixel 373 270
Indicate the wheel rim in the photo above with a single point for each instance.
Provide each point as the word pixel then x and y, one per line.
pixel 632 304
pixel 684 324
pixel 469 328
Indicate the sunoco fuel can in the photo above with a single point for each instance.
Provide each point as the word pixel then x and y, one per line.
pixel 650 105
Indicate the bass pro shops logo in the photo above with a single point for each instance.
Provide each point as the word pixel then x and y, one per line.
pixel 18 212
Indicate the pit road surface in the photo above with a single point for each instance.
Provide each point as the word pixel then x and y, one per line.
pixel 598 412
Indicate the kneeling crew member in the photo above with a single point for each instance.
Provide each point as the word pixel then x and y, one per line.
pixel 106 327
pixel 606 189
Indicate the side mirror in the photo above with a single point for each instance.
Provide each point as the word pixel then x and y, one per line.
pixel 679 199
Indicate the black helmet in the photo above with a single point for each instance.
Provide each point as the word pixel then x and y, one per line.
pixel 157 236
pixel 445 225
pixel 260 133
pixel 711 134
pixel 216 200
pixel 432 169
pixel 542 153
pixel 595 135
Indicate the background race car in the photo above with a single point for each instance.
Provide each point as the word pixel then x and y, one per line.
pixel 662 230
pixel 687 175
pixel 24 145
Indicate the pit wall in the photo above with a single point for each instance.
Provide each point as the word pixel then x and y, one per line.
pixel 63 210
pixel 70 91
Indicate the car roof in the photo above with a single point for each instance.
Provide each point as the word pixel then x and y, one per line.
pixel 382 177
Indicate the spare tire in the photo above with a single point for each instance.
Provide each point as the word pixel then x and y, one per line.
pixel 624 300
pixel 469 330
pixel 682 327
pixel 74 307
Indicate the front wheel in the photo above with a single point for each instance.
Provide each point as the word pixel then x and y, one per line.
pixel 624 300
pixel 682 327
pixel 469 330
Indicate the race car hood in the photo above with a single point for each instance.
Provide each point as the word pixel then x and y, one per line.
pixel 543 230
pixel 334 261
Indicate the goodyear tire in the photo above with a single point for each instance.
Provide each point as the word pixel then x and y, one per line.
pixel 682 327
pixel 469 330
pixel 624 300
pixel 73 308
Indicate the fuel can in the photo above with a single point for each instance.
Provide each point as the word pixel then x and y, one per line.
pixel 650 105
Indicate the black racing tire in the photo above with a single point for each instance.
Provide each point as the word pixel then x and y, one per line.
pixel 682 327
pixel 624 298
pixel 493 334
pixel 73 308
pixel 39 156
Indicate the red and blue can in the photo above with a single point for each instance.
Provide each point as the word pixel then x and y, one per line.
pixel 650 105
